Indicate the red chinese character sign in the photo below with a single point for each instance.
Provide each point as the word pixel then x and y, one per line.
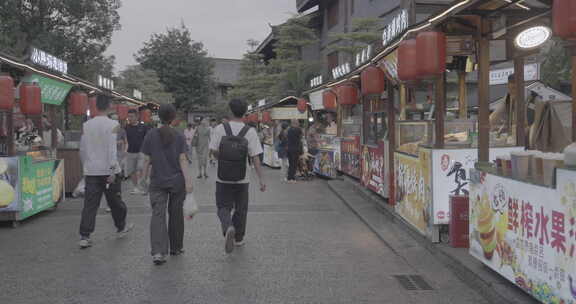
pixel 527 233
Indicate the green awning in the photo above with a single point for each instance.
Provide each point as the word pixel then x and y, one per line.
pixel 53 91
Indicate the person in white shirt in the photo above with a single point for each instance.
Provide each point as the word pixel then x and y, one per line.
pixel 98 151
pixel 232 196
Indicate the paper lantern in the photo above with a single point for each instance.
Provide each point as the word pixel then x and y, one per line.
pixel 122 111
pixel 302 105
pixel 348 94
pixel 77 103
pixel 30 99
pixel 373 80
pixel 408 60
pixel 146 116
pixel 6 92
pixel 432 62
pixel 266 117
pixel 564 18
pixel 92 106
pixel 329 100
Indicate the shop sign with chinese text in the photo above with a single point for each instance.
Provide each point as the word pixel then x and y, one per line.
pixel 316 81
pixel 41 58
pixel 413 193
pixel 52 91
pixel 373 164
pixel 450 177
pixel 527 233
pixel 396 27
pixel 500 76
pixel 363 56
pixel 341 70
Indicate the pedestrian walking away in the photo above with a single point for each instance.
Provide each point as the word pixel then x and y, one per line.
pixel 98 152
pixel 164 152
pixel 233 143
pixel 282 149
pixel 135 133
pixel 294 149
pixel 189 133
pixel 203 140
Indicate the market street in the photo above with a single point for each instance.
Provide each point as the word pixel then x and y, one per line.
pixel 303 246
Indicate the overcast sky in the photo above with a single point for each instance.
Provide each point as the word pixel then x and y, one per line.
pixel 223 26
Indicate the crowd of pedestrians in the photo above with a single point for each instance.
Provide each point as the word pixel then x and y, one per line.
pixel 111 153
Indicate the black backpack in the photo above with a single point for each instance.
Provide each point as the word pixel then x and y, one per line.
pixel 233 155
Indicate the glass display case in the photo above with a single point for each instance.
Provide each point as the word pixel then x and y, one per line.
pixel 460 133
pixel 351 121
pixel 327 142
pixel 410 135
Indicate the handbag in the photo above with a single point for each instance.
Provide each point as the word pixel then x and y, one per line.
pixel 190 206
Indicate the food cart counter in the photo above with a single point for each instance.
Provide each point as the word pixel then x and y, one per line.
pixel 526 231
pixel 427 176
pixel 327 160
pixel 29 184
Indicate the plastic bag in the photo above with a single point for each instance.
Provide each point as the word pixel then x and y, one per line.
pixel 190 206
pixel 79 191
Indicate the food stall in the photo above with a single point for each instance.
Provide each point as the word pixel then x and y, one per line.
pixel 271 116
pixel 522 216
pixel 327 158
pixel 350 110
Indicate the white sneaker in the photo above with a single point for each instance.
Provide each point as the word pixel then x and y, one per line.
pixel 123 232
pixel 240 244
pixel 137 191
pixel 85 243
pixel 158 259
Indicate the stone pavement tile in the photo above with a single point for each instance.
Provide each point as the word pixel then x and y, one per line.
pixel 303 246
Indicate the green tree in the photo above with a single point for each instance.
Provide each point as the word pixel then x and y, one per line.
pixel 364 32
pixel 182 66
pixel 146 81
pixel 288 70
pixel 254 82
pixel 76 31
pixel 556 65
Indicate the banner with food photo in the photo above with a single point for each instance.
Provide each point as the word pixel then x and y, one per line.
pixel 527 233
pixel 9 184
pixel 413 189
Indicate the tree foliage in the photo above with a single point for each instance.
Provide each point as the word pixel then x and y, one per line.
pixel 288 70
pixel 146 81
pixel 364 31
pixel 254 82
pixel 182 66
pixel 556 65
pixel 76 31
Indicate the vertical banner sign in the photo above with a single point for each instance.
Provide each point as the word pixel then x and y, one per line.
pixel 373 169
pixel 36 179
pixel 350 156
pixel 324 163
pixel 413 188
pixel 527 233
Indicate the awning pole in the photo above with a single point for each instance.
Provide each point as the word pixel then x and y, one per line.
pixel 574 94
pixel 483 93
pixel 462 96
pixel 520 102
pixel 403 96
pixel 391 111
pixel 440 111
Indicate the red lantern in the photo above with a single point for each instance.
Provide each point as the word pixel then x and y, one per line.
pixel 146 116
pixel 266 117
pixel 329 100
pixel 408 60
pixel 432 62
pixel 122 111
pixel 92 106
pixel 348 94
pixel 30 99
pixel 302 105
pixel 373 80
pixel 77 103
pixel 564 18
pixel 6 92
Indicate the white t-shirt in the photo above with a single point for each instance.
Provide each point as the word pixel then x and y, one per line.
pixel 254 146
pixel 98 147
pixel 189 135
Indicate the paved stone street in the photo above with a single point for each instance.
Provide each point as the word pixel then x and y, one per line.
pixel 303 246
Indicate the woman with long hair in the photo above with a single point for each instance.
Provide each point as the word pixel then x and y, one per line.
pixel 283 149
pixel 165 152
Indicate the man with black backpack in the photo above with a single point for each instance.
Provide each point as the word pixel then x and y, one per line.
pixel 232 144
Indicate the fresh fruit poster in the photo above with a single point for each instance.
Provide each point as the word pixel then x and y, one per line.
pixel 527 233
pixel 40 185
pixel 9 184
pixel 413 188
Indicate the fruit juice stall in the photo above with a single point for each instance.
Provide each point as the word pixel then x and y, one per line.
pixel 523 206
pixel 327 158
pixel 31 177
